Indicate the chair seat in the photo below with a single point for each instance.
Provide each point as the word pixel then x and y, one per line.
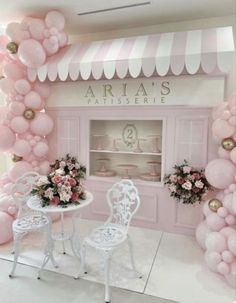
pixel 107 236
pixel 30 222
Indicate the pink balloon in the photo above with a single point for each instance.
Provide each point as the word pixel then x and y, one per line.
pixel 5 202
pixel 42 124
pixel 31 53
pixel 222 212
pixel 33 100
pixel 232 187
pixel 7 86
pixel 19 169
pixel 216 113
pixel 227 256
pixel 55 19
pixel 233 155
pixel 228 231
pixel 19 125
pixel 231 277
pixel 228 202
pixel 232 120
pixel 13 71
pixel 206 210
pixel 7 188
pixel 223 153
pixel 41 149
pixel 220 173
pixel 12 210
pixel 225 114
pixel 202 231
pixel 215 241
pixel 215 222
pixel 222 129
pixel 232 244
pixel 7 138
pixel 63 39
pixel 5 227
pixel 44 167
pixel 223 268
pixel 16 108
pixel 22 148
pixel 230 219
pixel 50 48
pixel 43 89
pixel 22 86
pixel 212 259
pixel 36 29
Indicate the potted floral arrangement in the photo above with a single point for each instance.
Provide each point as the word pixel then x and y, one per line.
pixel 187 184
pixel 62 186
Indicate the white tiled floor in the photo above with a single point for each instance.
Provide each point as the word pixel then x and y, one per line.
pixel 172 266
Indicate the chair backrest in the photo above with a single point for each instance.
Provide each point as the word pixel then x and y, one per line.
pixel 22 189
pixel 124 201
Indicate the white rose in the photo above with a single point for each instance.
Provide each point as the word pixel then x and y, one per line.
pixel 187 185
pixel 172 188
pixel 199 184
pixel 187 169
pixel 60 171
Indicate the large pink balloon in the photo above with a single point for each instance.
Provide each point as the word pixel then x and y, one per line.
pixel 22 148
pixel 5 227
pixel 19 125
pixel 55 19
pixel 215 241
pixel 16 108
pixel 22 86
pixel 222 129
pixel 31 53
pixel 36 28
pixel 42 124
pixel 33 100
pixel 19 169
pixel 43 89
pixel 202 232
pixel 13 71
pixel 40 149
pixel 7 86
pixel 228 231
pixel 7 138
pixel 215 222
pixel 220 173
pixel 232 243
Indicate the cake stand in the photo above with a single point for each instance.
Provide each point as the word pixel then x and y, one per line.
pixel 103 171
pixel 126 168
pixel 153 175
pixel 138 148
pixel 155 143
pixel 99 141
pixel 114 144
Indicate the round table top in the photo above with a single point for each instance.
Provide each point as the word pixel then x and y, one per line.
pixel 34 203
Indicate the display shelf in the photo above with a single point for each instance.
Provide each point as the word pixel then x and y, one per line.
pixel 124 152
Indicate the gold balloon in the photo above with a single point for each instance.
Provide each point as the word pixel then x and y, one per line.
pixel 16 158
pixel 228 144
pixel 29 114
pixel 12 47
pixel 214 204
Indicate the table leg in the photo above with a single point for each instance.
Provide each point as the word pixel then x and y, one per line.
pixel 75 238
pixel 63 232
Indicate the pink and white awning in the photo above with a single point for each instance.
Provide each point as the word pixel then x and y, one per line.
pixel 206 50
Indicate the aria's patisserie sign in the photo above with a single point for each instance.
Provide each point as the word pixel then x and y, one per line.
pixel 197 91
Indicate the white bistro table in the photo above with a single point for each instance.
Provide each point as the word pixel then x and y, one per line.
pixel 34 203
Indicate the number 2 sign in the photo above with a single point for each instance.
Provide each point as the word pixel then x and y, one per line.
pixel 130 135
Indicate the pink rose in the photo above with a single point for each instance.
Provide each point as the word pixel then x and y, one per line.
pixel 56 179
pixel 74 196
pixel 55 200
pixel 72 182
pixel 197 176
pixel 181 180
pixel 195 189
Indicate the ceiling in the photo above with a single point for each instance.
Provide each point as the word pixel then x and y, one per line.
pixel 158 12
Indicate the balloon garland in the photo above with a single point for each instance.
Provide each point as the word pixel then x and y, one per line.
pixel 26 125
pixel 217 233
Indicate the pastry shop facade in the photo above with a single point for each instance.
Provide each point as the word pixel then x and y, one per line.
pixel 133 108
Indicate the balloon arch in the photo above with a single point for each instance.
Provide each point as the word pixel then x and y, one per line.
pixel 24 130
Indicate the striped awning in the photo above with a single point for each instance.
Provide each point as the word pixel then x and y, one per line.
pixel 207 51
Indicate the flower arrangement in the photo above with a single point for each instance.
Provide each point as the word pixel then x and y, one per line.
pixel 187 184
pixel 62 186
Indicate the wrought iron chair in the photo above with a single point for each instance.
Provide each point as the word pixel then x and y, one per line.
pixel 123 200
pixel 29 221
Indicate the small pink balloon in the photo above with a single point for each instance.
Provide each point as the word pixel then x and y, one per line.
pixel 63 39
pixel 44 167
pixel 19 97
pixel 232 121
pixel 42 124
pixel 12 210
pixel 228 231
pixel 22 148
pixel 33 100
pixel 223 268
pixel 215 222
pixel 19 125
pixel 53 40
pixel 55 19
pixel 231 277
pixel 31 53
pixel 206 210
pixel 19 169
pixel 202 231
pixel 225 114
pixel 224 154
pixel 227 256
pixel 40 149
pixel 228 202
pixel 232 187
pixel 5 227
pixel 32 142
pixel 36 29
pixel 220 173
pixel 16 108
pixel 7 86
pixel 13 71
pixel 222 212
pixel 230 219
pixel 212 259
pixel 232 244
pixel 215 241
pixel 46 33
pixel 7 138
pixel 7 188
pixel 50 48
pixel 22 86
pixel 233 155
pixel 43 89
pixel 216 113
pixel 222 129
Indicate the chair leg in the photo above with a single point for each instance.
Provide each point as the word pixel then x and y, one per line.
pixel 50 246
pixel 137 274
pixel 17 239
pixel 82 254
pixel 107 275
